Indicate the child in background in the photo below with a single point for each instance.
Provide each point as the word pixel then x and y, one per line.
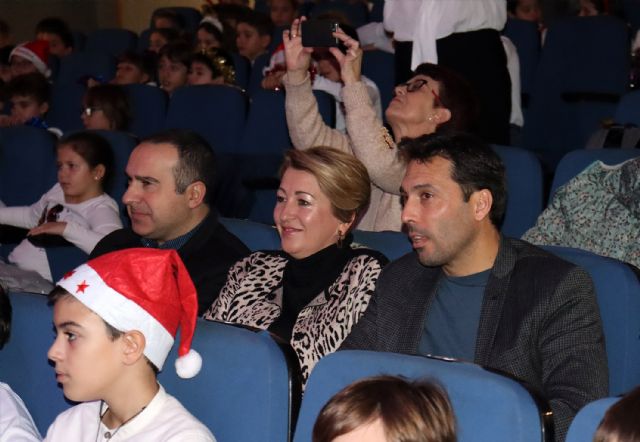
pixel 209 34
pixel 173 66
pixel 282 12
pixel 387 409
pixel 135 68
pixel 253 37
pixel 116 318
pixel 29 97
pixel 57 33
pixel 28 57
pixel 159 38
pixel 212 67
pixel 16 424
pixel 76 208
pixel 106 107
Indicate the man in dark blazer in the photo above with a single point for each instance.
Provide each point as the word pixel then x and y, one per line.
pixel 468 292
pixel 171 178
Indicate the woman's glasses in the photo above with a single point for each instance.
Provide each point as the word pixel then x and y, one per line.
pixel 415 85
pixel 88 111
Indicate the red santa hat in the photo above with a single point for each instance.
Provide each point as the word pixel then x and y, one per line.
pixel 37 52
pixel 143 289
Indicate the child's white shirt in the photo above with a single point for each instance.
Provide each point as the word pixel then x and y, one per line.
pixel 16 424
pixel 87 223
pixel 163 420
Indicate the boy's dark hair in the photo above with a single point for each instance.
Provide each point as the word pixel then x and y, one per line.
pixel 147 61
pixel 33 85
pixel 417 411
pixel 113 333
pixel 196 159
pixel 56 26
pixel 177 52
pixel 456 94
pixel 113 101
pixel 258 20
pixel 474 165
pixel 94 149
pixel 5 317
pixel 167 13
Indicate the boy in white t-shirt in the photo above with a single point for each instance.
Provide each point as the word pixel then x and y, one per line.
pixel 116 318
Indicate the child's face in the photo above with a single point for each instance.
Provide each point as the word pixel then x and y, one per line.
pixel 25 108
pixel 21 66
pixel 87 362
pixel 199 73
pixel 282 12
pixel 206 40
pixel 250 43
pixel 56 45
pixel 94 118
pixel 171 74
pixel 528 10
pixel 78 180
pixel 156 42
pixel 129 73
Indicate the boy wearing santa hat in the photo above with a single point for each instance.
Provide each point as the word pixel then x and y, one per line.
pixel 28 57
pixel 116 318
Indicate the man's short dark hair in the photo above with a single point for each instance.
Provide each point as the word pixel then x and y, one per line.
pixel 33 85
pixel 196 160
pixel 56 26
pixel 258 20
pixel 475 165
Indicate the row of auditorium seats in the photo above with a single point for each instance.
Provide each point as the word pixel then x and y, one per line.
pixel 249 384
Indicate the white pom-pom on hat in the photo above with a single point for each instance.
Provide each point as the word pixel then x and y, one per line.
pixel 189 365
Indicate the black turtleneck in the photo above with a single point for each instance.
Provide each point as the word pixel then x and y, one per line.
pixel 306 278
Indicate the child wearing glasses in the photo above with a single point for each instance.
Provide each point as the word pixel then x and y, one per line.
pixel 75 210
pixel 106 107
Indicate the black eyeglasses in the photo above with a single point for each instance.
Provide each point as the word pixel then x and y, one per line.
pixel 415 85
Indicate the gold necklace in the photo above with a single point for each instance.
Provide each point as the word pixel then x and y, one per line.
pixel 109 434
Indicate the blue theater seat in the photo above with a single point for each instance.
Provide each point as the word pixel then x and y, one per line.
pixel 586 422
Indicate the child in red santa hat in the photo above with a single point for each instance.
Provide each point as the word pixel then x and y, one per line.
pixel 116 318
pixel 28 57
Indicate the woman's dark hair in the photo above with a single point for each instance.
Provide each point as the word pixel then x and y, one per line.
pixel 456 94
pixel 113 101
pixel 177 52
pixel 219 62
pixel 94 149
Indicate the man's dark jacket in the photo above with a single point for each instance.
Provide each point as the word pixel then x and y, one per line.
pixel 539 322
pixel 208 255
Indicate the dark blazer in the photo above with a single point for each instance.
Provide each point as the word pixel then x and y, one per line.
pixel 208 255
pixel 539 322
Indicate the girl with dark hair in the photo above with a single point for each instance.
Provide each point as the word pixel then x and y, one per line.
pixel 106 107
pixel 76 208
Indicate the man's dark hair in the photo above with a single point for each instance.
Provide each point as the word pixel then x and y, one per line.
pixel 260 21
pixel 196 160
pixel 5 317
pixel 56 26
pixel 474 165
pixel 456 94
pixel 33 85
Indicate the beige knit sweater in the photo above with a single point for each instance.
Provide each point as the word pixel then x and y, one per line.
pixel 365 139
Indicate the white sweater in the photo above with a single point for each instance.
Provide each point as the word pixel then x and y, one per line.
pixel 87 223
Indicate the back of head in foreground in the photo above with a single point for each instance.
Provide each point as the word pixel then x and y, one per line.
pixel 620 422
pixel 387 409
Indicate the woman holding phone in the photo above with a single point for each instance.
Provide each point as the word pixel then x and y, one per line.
pixel 435 99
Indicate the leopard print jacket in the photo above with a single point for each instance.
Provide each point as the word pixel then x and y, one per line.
pixel 252 296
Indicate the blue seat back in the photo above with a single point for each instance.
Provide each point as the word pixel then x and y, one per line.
pixel 618 292
pixel 392 244
pixel 628 110
pixel 242 67
pixel 488 407
pixel 79 64
pixel 266 130
pixel 242 392
pixel 215 112
pixel 379 66
pixel 122 144
pixel 112 41
pixel 525 36
pixel 66 107
pixel 256 236
pixel 27 164
pixel 326 107
pixel 576 161
pixel 586 422
pixel 256 76
pixel 23 361
pixel 524 189
pixel 148 107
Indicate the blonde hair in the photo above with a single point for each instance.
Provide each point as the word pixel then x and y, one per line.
pixel 341 177
pixel 417 411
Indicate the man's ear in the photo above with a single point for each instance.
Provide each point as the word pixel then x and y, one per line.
pixel 196 192
pixel 133 343
pixel 482 202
